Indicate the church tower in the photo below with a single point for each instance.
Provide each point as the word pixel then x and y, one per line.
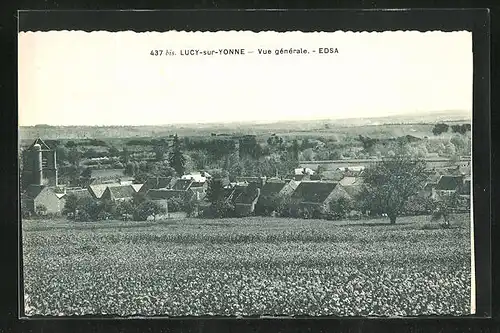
pixel 40 164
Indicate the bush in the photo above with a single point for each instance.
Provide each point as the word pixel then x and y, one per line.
pixel 440 128
pixel 220 210
pixel 191 208
pixel 339 209
pixel 267 205
pixel 289 208
pixel 419 206
pixel 125 210
pixel 175 204
pixel 88 210
pixel 146 209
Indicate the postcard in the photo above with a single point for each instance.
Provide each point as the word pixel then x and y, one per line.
pixel 241 173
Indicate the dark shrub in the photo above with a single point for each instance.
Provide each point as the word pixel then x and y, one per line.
pixel 339 208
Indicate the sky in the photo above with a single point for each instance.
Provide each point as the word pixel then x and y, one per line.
pixel 110 78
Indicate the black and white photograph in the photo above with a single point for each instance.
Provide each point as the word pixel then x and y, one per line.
pixel 246 174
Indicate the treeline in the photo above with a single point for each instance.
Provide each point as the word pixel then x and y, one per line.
pixel 369 143
pixel 87 209
pixel 444 128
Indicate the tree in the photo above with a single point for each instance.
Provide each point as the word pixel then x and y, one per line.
pixel 295 150
pixel 125 209
pixel 215 191
pixel 176 157
pixel 113 151
pixel 275 140
pixel 74 156
pixel 130 169
pixel 146 209
pixel 87 173
pixel 308 154
pixel 200 159
pixel 88 209
pixel 62 155
pixel 249 147
pixel 71 205
pixel 216 196
pixel 70 144
pixel 108 209
pixel 389 183
pixel 450 149
pixel 125 155
pixel 71 174
pixel 159 152
pixel 339 208
pixel 440 128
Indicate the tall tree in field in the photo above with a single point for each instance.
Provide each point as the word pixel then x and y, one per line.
pixel 176 157
pixel 294 152
pixel 389 183
pixel 215 191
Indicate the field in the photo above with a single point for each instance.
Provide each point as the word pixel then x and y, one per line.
pixel 417 124
pixel 246 267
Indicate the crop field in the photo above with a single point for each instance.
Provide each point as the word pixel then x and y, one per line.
pixel 247 267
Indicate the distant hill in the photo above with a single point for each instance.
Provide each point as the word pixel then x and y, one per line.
pixel 102 132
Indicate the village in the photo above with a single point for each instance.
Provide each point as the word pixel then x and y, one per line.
pixel 310 186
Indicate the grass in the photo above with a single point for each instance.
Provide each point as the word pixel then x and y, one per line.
pixel 253 266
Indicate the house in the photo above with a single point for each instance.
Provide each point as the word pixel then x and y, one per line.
pixel 332 175
pixel 199 177
pixel 163 196
pixel 303 171
pixel 447 185
pixel 137 187
pixel 427 189
pixel 126 180
pixel 40 199
pixel 245 198
pixel 157 183
pixel 348 181
pixel 80 193
pixel 182 184
pixel 97 190
pixel 434 176
pixel 199 192
pixel 318 194
pixel 166 194
pixel 352 185
pixel 278 188
pixel 118 193
pixel 465 189
pixel 353 171
pixel 299 178
pixel 260 181
pixel 354 168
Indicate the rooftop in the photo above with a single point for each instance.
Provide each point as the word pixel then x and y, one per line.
pixel 315 192
pixel 122 191
pixel 449 183
pixel 272 188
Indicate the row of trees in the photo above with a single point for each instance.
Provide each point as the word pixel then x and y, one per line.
pixel 457 128
pixel 88 209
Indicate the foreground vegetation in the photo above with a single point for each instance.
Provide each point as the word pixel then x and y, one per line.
pixel 251 266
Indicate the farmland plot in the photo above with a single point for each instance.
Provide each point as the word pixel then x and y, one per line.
pixel 254 266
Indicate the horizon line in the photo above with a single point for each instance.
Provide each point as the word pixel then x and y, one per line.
pixel 250 122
